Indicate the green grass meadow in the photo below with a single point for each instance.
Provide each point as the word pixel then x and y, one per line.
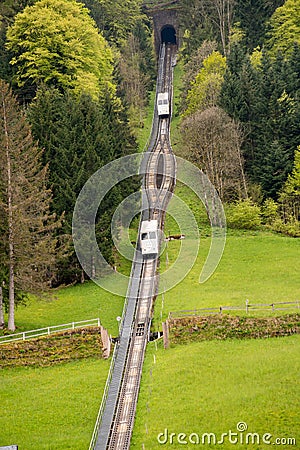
pixel 51 408
pixel 258 266
pixel 210 387
pixel 71 304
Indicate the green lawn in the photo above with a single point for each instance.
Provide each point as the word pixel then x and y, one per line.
pixel 75 303
pixel 51 408
pixel 144 133
pixel 212 386
pixel 261 267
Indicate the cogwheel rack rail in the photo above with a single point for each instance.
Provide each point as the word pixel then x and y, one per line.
pixel 113 428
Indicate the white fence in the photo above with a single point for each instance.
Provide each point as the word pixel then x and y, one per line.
pixel 49 330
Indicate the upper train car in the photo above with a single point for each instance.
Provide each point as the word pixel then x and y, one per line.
pixel 163 104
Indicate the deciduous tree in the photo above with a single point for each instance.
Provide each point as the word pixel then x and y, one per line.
pixel 290 195
pixel 212 140
pixel 285 28
pixel 205 90
pixel 192 68
pixel 56 42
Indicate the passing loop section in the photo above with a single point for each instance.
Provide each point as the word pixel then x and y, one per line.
pixel 100 184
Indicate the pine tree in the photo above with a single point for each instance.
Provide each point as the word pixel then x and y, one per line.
pixel 80 135
pixel 28 252
pixel 265 98
pixel 253 15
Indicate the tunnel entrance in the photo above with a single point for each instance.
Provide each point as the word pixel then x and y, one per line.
pixel 168 35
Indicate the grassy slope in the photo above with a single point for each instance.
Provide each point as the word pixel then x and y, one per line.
pixel 261 267
pixel 211 386
pixel 51 408
pixel 75 303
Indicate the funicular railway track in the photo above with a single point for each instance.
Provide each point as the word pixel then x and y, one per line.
pixel 113 432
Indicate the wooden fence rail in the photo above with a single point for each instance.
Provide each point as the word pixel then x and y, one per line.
pixel 248 307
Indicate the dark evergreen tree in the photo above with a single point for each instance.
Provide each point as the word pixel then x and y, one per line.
pixel 230 97
pixel 253 16
pixel 29 248
pixel 80 136
pixel 266 100
pixel 274 168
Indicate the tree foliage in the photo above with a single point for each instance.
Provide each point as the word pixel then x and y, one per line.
pixel 219 19
pixel 79 136
pixel 290 194
pixel 209 19
pixel 115 18
pixel 253 17
pixel 28 247
pixel 136 72
pixel 244 214
pixel 57 43
pixel 205 90
pixel 192 68
pixel 265 98
pixel 285 28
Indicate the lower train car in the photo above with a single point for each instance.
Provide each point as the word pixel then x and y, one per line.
pixel 149 237
pixel 163 104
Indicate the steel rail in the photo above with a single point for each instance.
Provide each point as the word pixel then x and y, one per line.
pixel 115 422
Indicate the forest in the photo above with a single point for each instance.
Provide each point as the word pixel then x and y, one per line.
pixel 75 84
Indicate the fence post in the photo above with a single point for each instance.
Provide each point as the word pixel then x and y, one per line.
pixel 221 310
pixel 1 309
pixel 48 331
pixel 273 307
pixel 165 327
pixel 24 336
pixel 73 325
pixel 98 322
pixel 106 344
pixel 247 306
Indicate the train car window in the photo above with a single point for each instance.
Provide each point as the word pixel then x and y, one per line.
pixel 166 102
pixel 144 236
pixel 152 235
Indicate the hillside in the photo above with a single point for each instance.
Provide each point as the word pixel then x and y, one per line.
pixel 77 84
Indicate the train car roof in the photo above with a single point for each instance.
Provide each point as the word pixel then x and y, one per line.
pixel 149 225
pixel 163 95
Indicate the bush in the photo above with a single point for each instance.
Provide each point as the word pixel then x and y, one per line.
pixel 221 327
pixel 244 215
pixel 290 228
pixel 269 211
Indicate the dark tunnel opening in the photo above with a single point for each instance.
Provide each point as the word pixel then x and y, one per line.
pixel 168 35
